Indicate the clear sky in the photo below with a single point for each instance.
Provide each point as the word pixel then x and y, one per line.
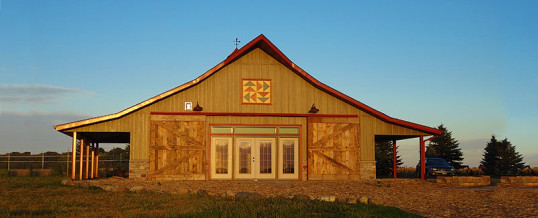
pixel 471 65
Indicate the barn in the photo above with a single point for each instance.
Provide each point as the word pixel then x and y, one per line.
pixel 256 115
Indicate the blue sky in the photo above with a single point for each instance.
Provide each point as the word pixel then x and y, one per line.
pixel 471 65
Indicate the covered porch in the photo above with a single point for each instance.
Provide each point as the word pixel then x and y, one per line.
pixel 87 145
pixel 422 151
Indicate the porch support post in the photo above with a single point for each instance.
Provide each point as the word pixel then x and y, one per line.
pixel 87 146
pixel 422 158
pixel 93 161
pixel 74 158
pixel 394 158
pixel 96 160
pixel 80 159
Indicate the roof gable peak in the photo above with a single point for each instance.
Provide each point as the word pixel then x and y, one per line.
pixel 263 43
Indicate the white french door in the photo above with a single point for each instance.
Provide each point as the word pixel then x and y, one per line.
pixel 288 158
pixel 221 151
pixel 255 158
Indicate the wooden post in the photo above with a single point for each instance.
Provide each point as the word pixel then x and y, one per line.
pixel 422 158
pixel 97 166
pixel 74 158
pixel 96 160
pixel 87 160
pixel 394 158
pixel 67 164
pixel 93 161
pixel 80 159
pixel 42 162
pixel 8 159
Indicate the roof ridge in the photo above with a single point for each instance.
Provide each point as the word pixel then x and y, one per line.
pixel 265 44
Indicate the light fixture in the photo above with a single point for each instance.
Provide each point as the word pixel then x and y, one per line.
pixel 197 107
pixel 313 109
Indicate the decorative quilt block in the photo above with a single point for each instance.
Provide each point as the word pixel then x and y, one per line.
pixel 256 91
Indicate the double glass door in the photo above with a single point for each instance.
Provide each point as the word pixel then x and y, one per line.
pixel 255 158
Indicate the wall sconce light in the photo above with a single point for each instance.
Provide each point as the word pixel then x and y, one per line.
pixel 313 109
pixel 197 107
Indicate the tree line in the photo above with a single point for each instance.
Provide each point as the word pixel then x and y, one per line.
pixel 500 157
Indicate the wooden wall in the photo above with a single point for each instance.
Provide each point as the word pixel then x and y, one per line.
pixel 333 148
pixel 177 147
pixel 222 93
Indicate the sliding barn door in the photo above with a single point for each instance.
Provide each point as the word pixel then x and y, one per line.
pixel 177 147
pixel 333 148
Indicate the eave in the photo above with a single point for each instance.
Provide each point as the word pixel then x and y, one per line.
pixel 263 43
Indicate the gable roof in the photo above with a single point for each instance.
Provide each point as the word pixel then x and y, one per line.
pixel 263 43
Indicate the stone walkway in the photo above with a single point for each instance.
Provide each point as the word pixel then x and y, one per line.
pixel 426 198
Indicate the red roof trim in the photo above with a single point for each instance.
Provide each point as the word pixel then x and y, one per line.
pixel 253 114
pixel 287 62
pixel 263 43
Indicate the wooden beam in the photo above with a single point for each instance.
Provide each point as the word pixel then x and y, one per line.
pixel 93 162
pixel 333 161
pixel 74 158
pixel 96 160
pixel 336 133
pixel 172 164
pixel 96 166
pixel 80 159
pixel 86 175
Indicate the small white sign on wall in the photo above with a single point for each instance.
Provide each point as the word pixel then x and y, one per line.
pixel 188 106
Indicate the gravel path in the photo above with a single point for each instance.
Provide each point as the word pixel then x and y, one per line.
pixel 426 198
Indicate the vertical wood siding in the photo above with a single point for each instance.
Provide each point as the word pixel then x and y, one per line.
pixel 177 147
pixel 221 92
pixel 333 148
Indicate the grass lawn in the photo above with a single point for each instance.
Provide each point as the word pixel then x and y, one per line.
pixel 45 196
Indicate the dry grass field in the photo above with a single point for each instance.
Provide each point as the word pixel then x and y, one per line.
pixel 46 197
pixel 427 198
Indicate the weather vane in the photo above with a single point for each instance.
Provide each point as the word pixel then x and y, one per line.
pixel 236 43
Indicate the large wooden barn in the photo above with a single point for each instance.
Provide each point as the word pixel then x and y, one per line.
pixel 256 115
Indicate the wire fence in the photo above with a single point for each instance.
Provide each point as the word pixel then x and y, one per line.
pixel 118 165
pixel 42 164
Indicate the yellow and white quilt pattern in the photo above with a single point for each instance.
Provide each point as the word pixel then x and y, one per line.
pixel 256 91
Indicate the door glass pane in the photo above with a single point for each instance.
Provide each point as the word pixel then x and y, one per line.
pixel 245 155
pixel 288 130
pixel 221 130
pixel 221 156
pixel 288 156
pixel 265 157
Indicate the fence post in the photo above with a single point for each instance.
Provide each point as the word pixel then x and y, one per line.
pixel 67 164
pixel 8 159
pixel 42 162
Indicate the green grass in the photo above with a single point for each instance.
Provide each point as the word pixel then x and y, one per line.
pixel 276 207
pixel 46 197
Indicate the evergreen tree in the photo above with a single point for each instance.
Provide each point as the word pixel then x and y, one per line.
pixel 501 158
pixel 384 158
pixel 446 147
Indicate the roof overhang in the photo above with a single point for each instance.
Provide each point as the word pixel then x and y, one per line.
pixel 263 43
pixel 381 138
pixel 104 137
